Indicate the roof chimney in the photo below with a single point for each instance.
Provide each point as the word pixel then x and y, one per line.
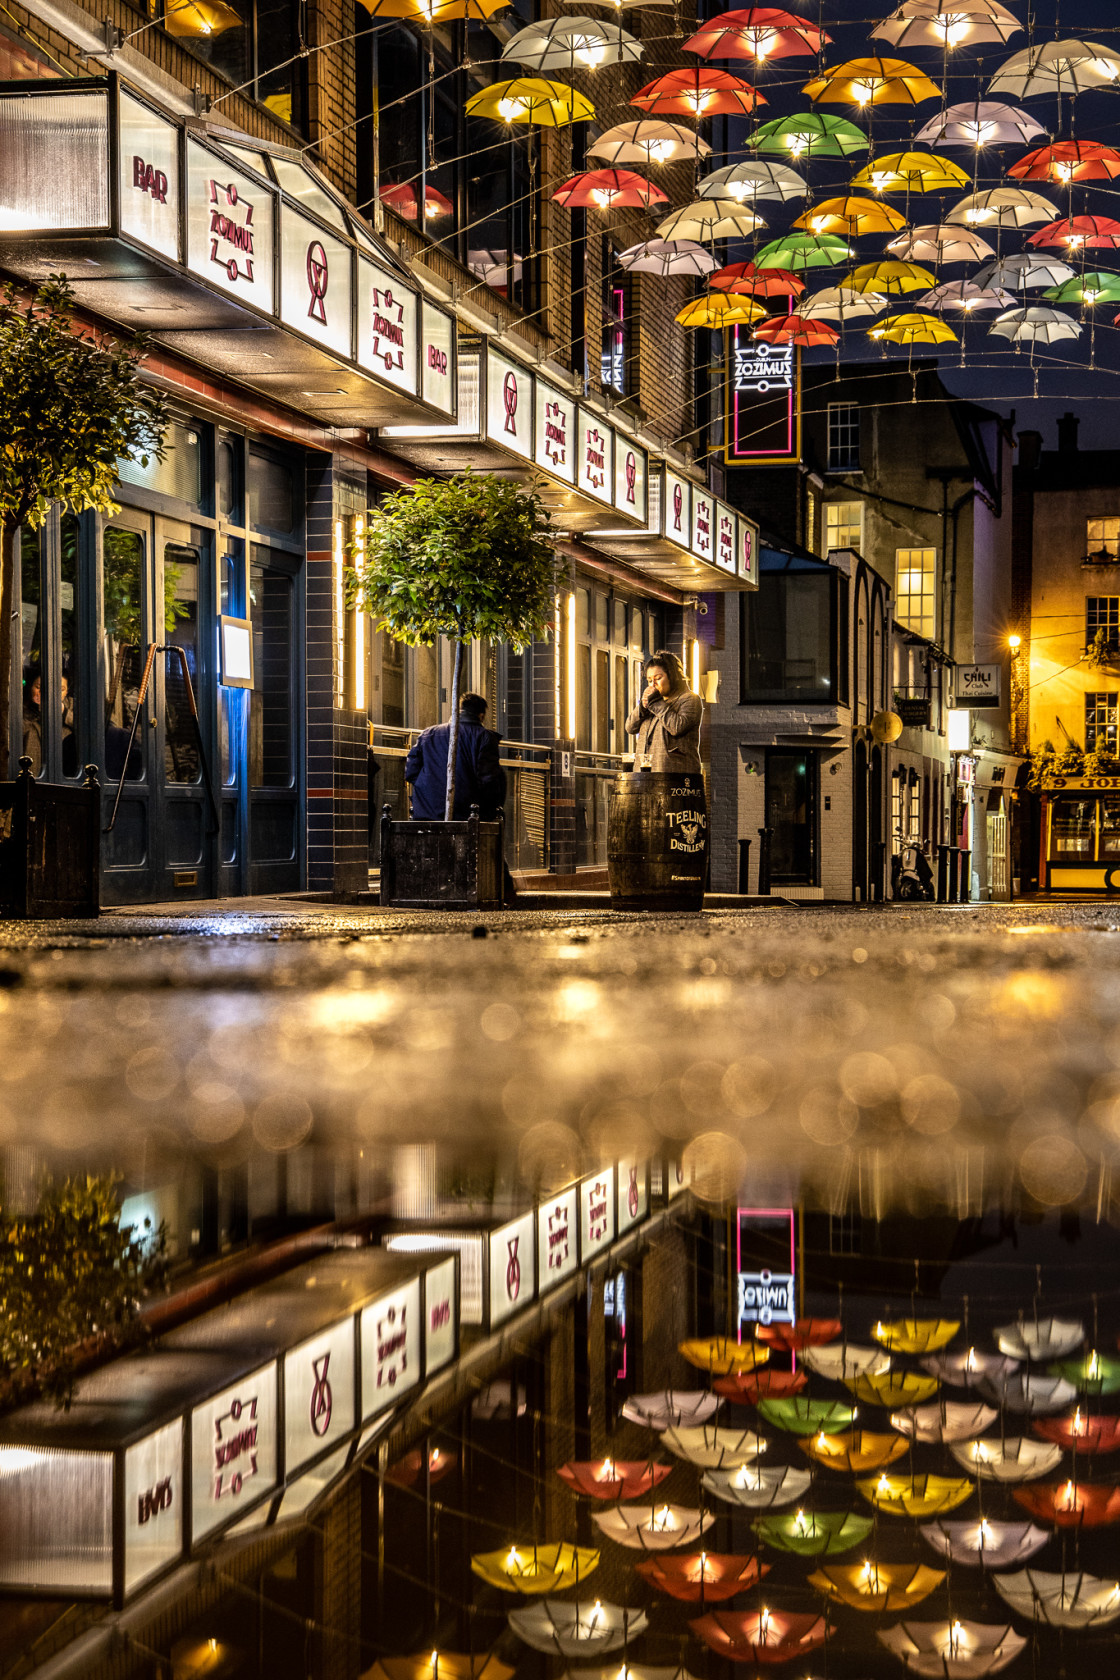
pixel 1067 434
pixel 1030 449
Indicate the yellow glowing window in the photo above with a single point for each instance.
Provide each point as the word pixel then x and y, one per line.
pixel 915 590
pixel 843 525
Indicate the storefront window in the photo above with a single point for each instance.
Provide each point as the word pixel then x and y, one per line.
pixel 1110 828
pixel 256 45
pixel 1102 716
pixel 271 731
pixel 31 550
pixel 788 636
pixel 124 637
pixel 180 587
pixel 179 474
pixel 1071 828
pixel 273 502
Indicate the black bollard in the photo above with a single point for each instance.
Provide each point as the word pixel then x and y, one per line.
pixel 765 835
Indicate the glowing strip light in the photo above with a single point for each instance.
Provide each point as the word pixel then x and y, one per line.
pixel 556 657
pixel 572 665
pixel 695 667
pixel 359 618
pixel 339 617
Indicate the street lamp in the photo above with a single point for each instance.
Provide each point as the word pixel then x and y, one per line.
pixel 1014 643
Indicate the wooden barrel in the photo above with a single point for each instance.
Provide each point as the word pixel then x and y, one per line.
pixel 657 841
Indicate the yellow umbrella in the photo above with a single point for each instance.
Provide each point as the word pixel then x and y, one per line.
pixel 440 1665
pixel 918 172
pixel 916 1335
pixel 722 309
pixel 536 1569
pixel 894 1388
pixel 915 1496
pixel 873 81
pixel 915 329
pixel 888 279
pixel 719 1354
pixel 531 99
pixel 877 1586
pixel 434 11
pixel 856 1450
pixel 851 216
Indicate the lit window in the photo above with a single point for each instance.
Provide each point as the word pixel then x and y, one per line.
pixel 1103 539
pixel 1102 612
pixel 843 437
pixel 843 525
pixel 914 589
pixel 1102 714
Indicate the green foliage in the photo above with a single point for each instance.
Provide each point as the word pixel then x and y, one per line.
pixel 122 556
pixel 1047 761
pixel 69 1273
pixel 1101 652
pixel 1101 763
pixel 458 557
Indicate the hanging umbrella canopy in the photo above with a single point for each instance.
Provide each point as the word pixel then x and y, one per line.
pixel 793 329
pixel 910 172
pixel 648 141
pixel 531 99
pixel 608 189
pixel 858 1450
pixel 945 1420
pixel 809 134
pixel 1031 1392
pixel 720 1355
pixel 800 251
pixel 850 217
pixel 748 1390
pixel 753 180
pixel 803 1332
pixel 965 1369
pixel 440 1665
pixel 1056 67
pixel 814 1533
pixel 193 20
pixel 916 1335
pixel 746 279
pixel 1085 1434
pixel 757 1487
pixel 698 91
pixel 1068 160
pixel 947 24
pixel 1044 1338
pixel 1023 272
pixel 653 1528
pixel 435 11
pixel 589 1628
pixel 1015 1458
pixel 710 1447
pixel 535 1569
pixel 914 328
pixel 1001 207
pixel 709 218
pixel 407 1471
pixel 670 1406
pixel 839 303
pixel 848 1359
pixel 941 243
pixel 571 43
pixel 1064 1601
pixel 1079 233
pixel 763 1636
pixel 1071 1504
pixel 915 1496
pixel 1095 1373
pixel 877 1586
pixel 759 32
pixel 953 1650
pixel 980 122
pixel 613 1478
pixel 873 81
pixel 666 258
pixel 1090 288
pixel 405 200
pixel 984 1544
pixel 800 1416
pixel 702 1576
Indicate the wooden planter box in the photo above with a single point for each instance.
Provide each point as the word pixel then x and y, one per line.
pixel 50 847
pixel 430 865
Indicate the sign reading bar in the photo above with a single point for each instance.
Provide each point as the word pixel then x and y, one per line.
pixel 437 358
pixel 512 1276
pixel 148 178
pixel 439 1316
pixel 977 686
pixel 764 406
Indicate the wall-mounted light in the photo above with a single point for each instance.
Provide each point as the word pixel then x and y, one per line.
pixel 359 618
pixel 1014 643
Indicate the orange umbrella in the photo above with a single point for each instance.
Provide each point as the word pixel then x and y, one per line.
pixel 805 1332
pixel 745 279
pixel 1079 233
pixel 1083 1434
pixel 613 1478
pixel 1071 1504
pixel 792 329
pixel 760 32
pixel 748 1390
pixel 701 1576
pixel 873 81
pixel 764 1636
pixel 698 92
pixel 405 200
pixel 608 189
pixel 1069 160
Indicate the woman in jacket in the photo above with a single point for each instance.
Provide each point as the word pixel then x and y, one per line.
pixel 667 719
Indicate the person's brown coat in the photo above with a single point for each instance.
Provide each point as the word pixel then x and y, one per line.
pixel 668 731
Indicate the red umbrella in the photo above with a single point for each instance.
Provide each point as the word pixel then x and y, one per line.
pixel 748 1388
pixel 608 189
pixel 404 200
pixel 747 280
pixel 793 329
pixel 806 1332
pixel 1071 1504
pixel 1082 1434
pixel 703 1576
pixel 606 1478
pixel 407 1471
pixel 764 1636
pixel 1079 233
pixel 698 92
pixel 1069 160
pixel 760 32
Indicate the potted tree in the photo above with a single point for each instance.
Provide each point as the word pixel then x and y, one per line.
pixel 465 558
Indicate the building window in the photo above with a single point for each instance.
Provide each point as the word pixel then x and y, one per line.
pixel 789 638
pixel 1102 539
pixel 914 590
pixel 616 371
pixel 843 526
pixel 1102 715
pixel 1102 617
pixel 843 438
pixel 260 48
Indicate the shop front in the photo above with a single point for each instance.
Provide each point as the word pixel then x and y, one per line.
pixel 1080 834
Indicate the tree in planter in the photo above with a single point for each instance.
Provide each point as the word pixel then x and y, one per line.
pixel 71 406
pixel 459 557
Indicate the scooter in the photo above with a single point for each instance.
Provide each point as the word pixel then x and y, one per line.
pixel 911 875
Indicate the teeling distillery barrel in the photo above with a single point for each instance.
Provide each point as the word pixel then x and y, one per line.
pixel 657 841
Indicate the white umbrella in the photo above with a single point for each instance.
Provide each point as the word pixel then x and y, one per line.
pixel 984 1544
pixel 572 43
pixel 840 303
pixel 1016 1459
pixel 587 1629
pixel 953 1650
pixel 947 23
pixel 715 1449
pixel 756 1487
pixel 1048 1338
pixel 741 181
pixel 950 1420
pixel 648 141
pixel 629 1671
pixel 709 218
pixel 1021 272
pixel 966 295
pixel 1056 67
pixel 1023 1392
pixel 980 122
pixel 653 1528
pixel 1064 1601
pixel 671 1406
pixel 1002 207
pixel 668 257
pixel 940 243
pixel 847 1359
pixel 495 265
pixel 964 1370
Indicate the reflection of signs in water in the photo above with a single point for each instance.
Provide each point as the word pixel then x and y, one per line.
pixel 235 1447
pixel 322 1400
pixel 513 1269
pixel 632 1193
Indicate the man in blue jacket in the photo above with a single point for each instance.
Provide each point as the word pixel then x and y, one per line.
pixel 479 777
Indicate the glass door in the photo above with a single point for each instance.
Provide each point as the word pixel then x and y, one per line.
pixel 791 815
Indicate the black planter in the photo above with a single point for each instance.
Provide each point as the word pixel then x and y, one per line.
pixel 430 865
pixel 50 847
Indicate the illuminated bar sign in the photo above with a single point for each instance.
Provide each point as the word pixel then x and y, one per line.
pixel 764 402
pixel 557 1238
pixel 596 1212
pixel 512 1273
pixel 766 1295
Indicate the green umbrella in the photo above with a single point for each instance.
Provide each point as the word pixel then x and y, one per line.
pixel 809 134
pixel 814 1533
pixel 799 1416
pixel 1096 1373
pixel 804 250
pixel 1094 287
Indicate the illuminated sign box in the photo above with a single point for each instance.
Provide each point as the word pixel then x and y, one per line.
pixel 597 1212
pixel 763 402
pixel 765 1295
pixel 558 1237
pixel 235 652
